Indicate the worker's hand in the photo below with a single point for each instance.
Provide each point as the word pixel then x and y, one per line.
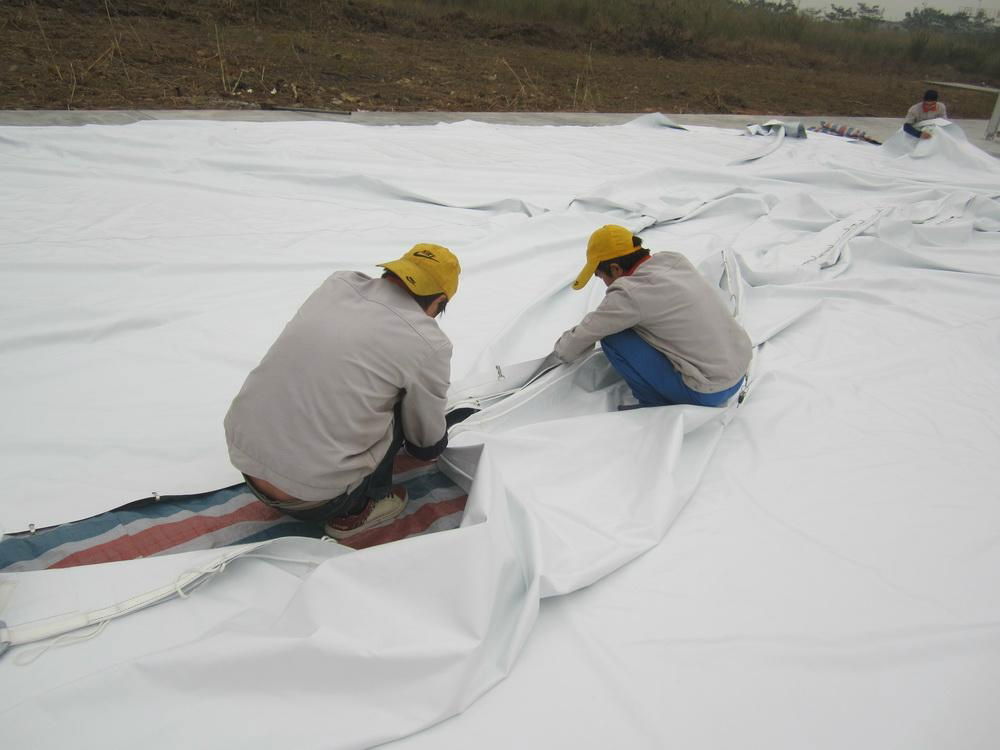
pixel 550 361
pixel 925 134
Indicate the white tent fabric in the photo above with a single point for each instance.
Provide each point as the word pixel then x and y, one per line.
pixel 816 567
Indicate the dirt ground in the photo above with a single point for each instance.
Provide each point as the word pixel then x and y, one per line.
pixel 196 54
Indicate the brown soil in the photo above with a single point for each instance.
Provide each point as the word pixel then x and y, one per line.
pixel 353 54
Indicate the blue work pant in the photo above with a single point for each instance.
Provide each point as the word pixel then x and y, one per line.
pixel 651 376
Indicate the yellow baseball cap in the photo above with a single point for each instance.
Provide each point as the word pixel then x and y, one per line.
pixel 427 269
pixel 610 241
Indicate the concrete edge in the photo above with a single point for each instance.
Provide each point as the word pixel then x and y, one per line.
pixel 879 128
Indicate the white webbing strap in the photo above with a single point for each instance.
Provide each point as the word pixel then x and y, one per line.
pixel 31 632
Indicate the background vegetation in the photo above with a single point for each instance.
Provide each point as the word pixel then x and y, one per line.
pixel 727 28
pixel 858 34
pixel 735 56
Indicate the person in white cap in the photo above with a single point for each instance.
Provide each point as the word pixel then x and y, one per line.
pixel 660 324
pixel 360 371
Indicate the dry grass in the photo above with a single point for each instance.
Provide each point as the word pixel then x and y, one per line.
pixel 711 27
pixel 364 54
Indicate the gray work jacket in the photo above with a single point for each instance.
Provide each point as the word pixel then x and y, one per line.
pixel 672 308
pixel 916 113
pixel 316 415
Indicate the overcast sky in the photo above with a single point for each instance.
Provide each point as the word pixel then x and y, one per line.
pixel 894 9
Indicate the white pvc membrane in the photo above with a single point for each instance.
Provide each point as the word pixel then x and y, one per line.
pixel 818 567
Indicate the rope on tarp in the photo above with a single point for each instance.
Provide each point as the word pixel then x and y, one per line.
pixel 62 628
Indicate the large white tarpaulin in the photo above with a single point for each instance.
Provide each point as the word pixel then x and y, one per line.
pixel 817 567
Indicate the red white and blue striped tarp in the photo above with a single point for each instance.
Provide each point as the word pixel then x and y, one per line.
pixel 218 519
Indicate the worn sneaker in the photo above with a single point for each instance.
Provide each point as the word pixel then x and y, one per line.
pixel 376 513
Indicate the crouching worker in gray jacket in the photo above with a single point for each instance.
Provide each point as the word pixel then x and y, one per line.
pixel 360 371
pixel 660 324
